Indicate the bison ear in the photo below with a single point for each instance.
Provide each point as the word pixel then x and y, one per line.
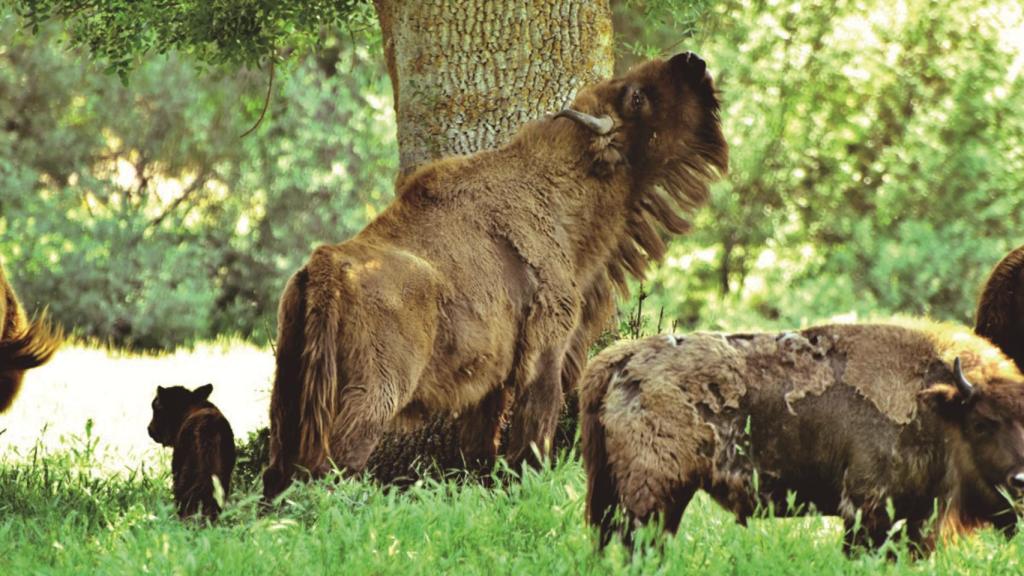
pixel 606 155
pixel 603 148
pixel 944 399
pixel 203 392
pixel 1000 314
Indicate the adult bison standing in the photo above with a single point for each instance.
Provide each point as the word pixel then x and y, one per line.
pixel 490 275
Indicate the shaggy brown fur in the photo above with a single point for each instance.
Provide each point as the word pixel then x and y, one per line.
pixel 1000 316
pixel 483 284
pixel 846 417
pixel 204 447
pixel 23 344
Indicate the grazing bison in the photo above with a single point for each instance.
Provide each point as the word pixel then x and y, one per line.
pixel 1000 316
pixel 851 420
pixel 23 344
pixel 204 447
pixel 483 284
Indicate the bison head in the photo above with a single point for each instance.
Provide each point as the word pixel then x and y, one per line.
pixel 656 131
pixel 660 122
pixel 990 419
pixel 170 408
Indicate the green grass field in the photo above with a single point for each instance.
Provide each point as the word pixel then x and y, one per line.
pixel 80 499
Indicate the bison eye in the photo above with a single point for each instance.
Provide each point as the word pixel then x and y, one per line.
pixel 635 102
pixel 638 100
pixel 983 426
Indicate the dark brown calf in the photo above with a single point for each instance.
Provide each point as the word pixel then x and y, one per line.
pixel 204 447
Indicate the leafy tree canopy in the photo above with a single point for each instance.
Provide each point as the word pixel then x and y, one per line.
pixel 215 32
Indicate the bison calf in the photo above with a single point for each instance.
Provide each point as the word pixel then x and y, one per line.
pixel 204 447
pixel 23 344
pixel 873 423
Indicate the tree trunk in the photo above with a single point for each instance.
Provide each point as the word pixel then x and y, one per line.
pixel 466 75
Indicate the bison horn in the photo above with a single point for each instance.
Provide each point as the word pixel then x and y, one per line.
pixel 962 383
pixel 600 126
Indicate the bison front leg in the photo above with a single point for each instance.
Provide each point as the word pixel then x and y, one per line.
pixel 535 413
pixel 480 430
pixel 360 423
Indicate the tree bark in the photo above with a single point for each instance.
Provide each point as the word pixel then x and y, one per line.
pixel 466 75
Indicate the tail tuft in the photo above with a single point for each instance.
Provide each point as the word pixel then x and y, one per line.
pixel 28 350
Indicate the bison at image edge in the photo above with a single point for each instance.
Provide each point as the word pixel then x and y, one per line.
pixel 23 344
pixel 849 420
pixel 481 287
pixel 1000 316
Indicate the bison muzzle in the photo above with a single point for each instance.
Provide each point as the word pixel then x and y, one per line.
pixel 482 285
pixel 914 421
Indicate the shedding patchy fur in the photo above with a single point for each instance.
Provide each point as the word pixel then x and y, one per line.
pixel 1000 315
pixel 845 418
pixel 24 344
pixel 480 289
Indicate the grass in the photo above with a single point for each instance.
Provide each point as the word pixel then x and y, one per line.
pixel 82 502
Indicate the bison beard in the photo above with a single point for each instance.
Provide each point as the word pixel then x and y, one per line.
pixel 23 344
pixel 479 290
pixel 1000 316
pixel 848 419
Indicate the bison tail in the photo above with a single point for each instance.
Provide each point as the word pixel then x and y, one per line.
pixel 318 398
pixel 28 350
pixel 284 400
pixel 602 493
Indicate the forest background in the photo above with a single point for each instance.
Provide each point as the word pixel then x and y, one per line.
pixel 877 167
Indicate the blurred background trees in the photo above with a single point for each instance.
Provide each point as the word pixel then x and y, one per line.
pixel 876 167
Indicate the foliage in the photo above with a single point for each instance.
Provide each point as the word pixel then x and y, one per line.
pixel 876 169
pixel 139 216
pixel 876 163
pixel 124 33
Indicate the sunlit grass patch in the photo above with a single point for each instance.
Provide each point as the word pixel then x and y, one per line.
pixel 113 390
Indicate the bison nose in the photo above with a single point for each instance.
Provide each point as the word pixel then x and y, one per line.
pixel 1017 481
pixel 688 66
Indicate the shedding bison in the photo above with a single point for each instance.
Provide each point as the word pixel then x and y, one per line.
pixel 482 285
pixel 23 344
pixel 850 419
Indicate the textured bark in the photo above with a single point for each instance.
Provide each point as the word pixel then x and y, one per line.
pixel 466 75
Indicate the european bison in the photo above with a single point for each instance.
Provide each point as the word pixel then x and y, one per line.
pixel 1000 316
pixel 204 447
pixel 23 344
pixel 488 277
pixel 850 419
